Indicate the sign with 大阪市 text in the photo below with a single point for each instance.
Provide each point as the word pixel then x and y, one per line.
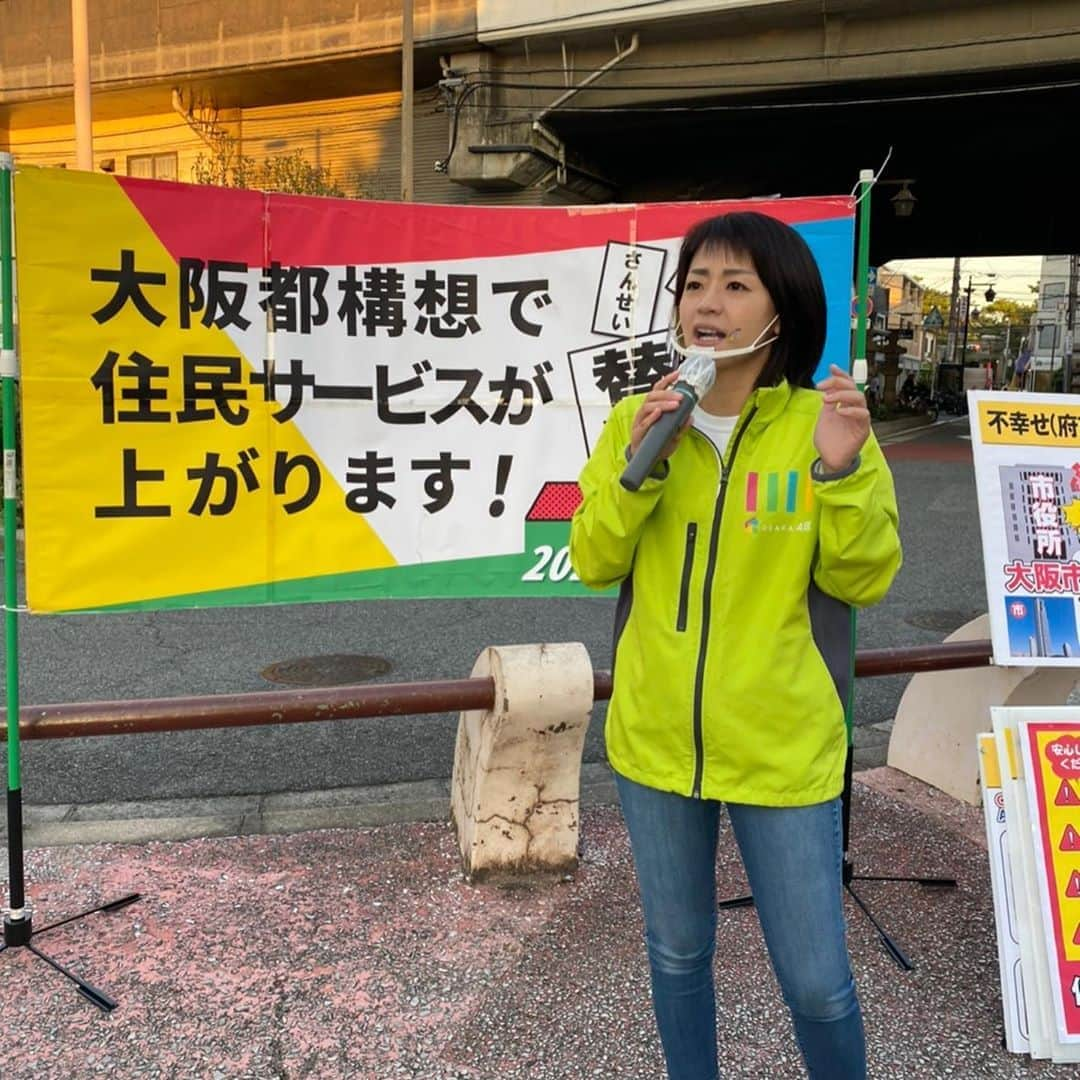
pixel 231 397
pixel 1027 473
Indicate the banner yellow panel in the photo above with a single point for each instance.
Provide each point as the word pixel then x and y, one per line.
pixel 136 487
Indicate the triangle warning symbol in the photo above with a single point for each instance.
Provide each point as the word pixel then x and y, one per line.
pixel 1073 888
pixel 1076 936
pixel 1066 796
pixel 1070 839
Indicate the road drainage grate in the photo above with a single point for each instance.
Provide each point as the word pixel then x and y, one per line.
pixel 337 669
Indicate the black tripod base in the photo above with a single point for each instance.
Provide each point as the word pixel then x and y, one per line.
pixel 848 876
pixel 735 902
pixel 898 955
pixel 19 933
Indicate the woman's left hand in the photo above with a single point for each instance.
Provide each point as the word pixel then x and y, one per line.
pixel 844 423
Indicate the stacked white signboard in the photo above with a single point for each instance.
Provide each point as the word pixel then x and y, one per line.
pixel 1027 469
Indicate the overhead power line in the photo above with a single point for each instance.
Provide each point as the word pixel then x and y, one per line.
pixel 901 98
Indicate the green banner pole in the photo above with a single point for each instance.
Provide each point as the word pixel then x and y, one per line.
pixel 8 375
pixel 859 373
pixel 18 924
pixel 862 276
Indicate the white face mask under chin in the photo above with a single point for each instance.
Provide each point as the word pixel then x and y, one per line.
pixel 721 355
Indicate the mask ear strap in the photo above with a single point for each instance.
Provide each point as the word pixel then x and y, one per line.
pixel 769 326
pixel 674 332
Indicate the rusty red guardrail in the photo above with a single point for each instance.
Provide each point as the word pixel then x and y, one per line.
pixel 82 719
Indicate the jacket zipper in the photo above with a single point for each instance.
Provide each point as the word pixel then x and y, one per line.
pixel 706 605
pixel 688 566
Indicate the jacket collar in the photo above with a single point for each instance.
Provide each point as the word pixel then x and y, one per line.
pixel 768 401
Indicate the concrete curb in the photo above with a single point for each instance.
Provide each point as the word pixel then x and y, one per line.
pixel 281 813
pixel 884 428
pixel 248 815
pixel 954 815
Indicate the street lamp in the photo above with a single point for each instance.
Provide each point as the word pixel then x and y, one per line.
pixel 903 202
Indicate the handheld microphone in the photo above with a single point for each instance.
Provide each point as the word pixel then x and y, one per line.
pixel 696 376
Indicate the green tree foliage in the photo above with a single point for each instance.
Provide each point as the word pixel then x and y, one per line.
pixel 1001 312
pixel 225 166
pixel 934 298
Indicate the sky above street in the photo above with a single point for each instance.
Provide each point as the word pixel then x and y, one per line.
pixel 1014 273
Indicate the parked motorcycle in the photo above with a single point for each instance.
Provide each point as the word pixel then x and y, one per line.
pixel 919 399
pixel 952 401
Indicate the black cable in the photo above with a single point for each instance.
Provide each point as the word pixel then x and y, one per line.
pixel 900 99
pixel 444 164
pixel 786 85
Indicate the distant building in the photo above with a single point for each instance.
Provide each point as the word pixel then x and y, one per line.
pixel 1050 323
pixel 1042 629
pixel 903 311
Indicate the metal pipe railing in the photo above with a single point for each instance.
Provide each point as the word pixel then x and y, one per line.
pixel 82 719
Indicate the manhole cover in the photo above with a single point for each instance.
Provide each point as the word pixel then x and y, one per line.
pixel 944 622
pixel 338 669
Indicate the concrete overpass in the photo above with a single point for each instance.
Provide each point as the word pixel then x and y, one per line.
pixel 979 102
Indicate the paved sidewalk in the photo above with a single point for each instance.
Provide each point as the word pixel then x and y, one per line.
pixel 362 953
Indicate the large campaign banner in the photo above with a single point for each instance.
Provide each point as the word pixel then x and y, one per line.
pixel 230 397
pixel 1027 475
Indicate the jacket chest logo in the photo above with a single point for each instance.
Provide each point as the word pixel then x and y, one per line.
pixel 778 501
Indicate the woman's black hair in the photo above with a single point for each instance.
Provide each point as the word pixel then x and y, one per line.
pixel 787 268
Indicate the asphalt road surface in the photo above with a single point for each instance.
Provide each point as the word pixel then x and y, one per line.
pixel 163 654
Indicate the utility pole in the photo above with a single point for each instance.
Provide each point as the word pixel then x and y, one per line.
pixel 406 100
pixel 1003 362
pixel 967 319
pixel 80 75
pixel 954 314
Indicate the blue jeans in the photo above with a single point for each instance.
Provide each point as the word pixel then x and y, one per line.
pixel 792 857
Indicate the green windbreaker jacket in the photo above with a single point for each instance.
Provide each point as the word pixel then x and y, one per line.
pixel 733 631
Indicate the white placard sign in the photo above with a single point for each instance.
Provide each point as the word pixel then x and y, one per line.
pixel 1027 473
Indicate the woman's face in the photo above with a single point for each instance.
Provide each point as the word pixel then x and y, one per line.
pixel 724 305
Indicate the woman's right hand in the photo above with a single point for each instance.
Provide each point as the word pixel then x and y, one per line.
pixel 660 399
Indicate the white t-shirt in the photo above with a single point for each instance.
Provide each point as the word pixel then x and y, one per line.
pixel 717 428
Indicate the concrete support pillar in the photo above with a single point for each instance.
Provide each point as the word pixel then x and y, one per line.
pixel 941 712
pixel 515 788
pixel 80 68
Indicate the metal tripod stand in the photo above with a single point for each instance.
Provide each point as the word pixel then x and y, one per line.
pixel 18 922
pixel 849 875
